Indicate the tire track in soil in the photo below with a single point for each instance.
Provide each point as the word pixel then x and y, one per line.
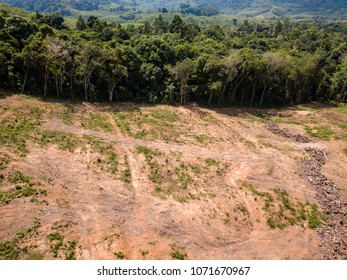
pixel 333 237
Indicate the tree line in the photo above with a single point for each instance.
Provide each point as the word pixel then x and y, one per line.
pixel 252 63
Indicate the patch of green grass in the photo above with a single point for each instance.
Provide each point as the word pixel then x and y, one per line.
pixel 34 256
pixel 183 177
pixel 242 208
pixel 147 152
pixel 122 121
pixel 178 255
pixel 70 256
pixel 18 177
pixel 125 177
pixel 161 192
pixel 15 131
pixel 63 112
pixel 280 121
pixel 201 138
pixel 120 255
pixel 345 151
pixel 315 218
pixel 97 122
pixel 342 108
pixel 211 162
pixel 307 108
pixel 9 250
pixel 256 117
pixel 144 253
pixel 281 211
pixel 181 199
pixel 64 141
pixel 155 172
pixel 28 191
pixel 4 161
pixel 55 236
pixel 321 132
pixel 164 115
pixel 195 168
pixel 109 159
pixel 261 136
pixel 7 196
pixel 152 124
pixel 56 247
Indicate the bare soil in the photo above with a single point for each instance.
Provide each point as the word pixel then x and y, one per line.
pixel 140 182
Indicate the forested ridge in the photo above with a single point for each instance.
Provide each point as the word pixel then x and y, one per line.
pixel 253 63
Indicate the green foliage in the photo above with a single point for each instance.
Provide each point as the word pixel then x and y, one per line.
pixel 18 177
pixel 242 208
pixel 178 255
pixel 34 256
pixel 126 175
pixel 9 250
pixel 183 177
pixel 97 122
pixel 167 59
pixel 109 159
pixel 315 218
pixel 65 141
pixel 282 211
pixel 149 124
pixel 4 161
pixel 54 236
pixel 120 255
pixel 15 132
pixel 321 132
pixel 155 174
pixel 211 162
pixel 144 253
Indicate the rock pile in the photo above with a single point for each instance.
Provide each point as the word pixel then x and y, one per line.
pixel 333 236
pixel 274 128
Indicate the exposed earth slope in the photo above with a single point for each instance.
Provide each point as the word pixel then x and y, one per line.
pixel 100 181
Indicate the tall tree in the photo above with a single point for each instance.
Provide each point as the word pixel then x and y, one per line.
pixel 182 71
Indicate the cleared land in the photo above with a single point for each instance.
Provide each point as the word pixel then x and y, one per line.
pixel 127 181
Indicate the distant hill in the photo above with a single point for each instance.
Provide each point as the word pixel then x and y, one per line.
pixel 333 9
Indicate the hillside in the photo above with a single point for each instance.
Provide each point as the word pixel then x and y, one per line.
pixel 101 181
pixel 334 9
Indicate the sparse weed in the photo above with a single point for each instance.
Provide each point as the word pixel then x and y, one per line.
pixel 120 255
pixel 178 255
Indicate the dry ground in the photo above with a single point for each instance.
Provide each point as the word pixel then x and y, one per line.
pixel 99 181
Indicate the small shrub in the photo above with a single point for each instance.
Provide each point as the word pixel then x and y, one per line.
pixel 9 250
pixel 144 253
pixel 55 236
pixel 18 177
pixel 178 255
pixel 120 255
pixel 211 162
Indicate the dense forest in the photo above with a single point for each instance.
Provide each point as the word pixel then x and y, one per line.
pixel 253 63
pixel 322 9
